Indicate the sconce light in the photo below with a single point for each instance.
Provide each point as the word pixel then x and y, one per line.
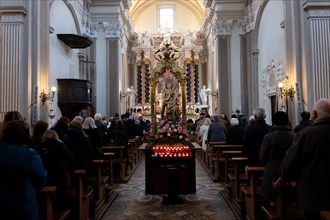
pixel 288 93
pixel 212 93
pixel 127 93
pixel 50 96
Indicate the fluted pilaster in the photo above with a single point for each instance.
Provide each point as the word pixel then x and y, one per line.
pixel 11 69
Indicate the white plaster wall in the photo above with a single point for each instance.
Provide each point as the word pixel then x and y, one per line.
pixel 271 44
pixel 64 61
pixel 235 68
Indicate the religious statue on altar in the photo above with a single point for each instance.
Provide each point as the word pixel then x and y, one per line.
pixel 170 105
pixel 132 97
pixel 203 96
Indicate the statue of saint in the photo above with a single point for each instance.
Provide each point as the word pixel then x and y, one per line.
pixel 203 96
pixel 170 106
pixel 132 97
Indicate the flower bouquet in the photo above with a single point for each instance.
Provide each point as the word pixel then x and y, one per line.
pixel 171 132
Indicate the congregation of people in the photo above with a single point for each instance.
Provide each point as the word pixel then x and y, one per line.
pixel 30 160
pixel 51 154
pixel 288 153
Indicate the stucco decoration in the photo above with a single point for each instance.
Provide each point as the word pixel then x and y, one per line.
pixel 112 29
pixel 222 27
pixel 272 75
pixel 247 24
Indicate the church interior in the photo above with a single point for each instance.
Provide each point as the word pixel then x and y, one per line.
pixel 169 59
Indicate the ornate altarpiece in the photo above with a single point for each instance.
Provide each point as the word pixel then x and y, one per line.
pixel 167 57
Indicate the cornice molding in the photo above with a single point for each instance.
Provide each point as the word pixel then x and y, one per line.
pixel 13 14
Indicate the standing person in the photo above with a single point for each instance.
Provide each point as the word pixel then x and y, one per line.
pixel 235 133
pixel 217 131
pixel 92 132
pixel 101 127
pixel 61 128
pixel 254 135
pixel 308 160
pixel 80 146
pixel 305 121
pixel 22 174
pixel 40 127
pixel 273 150
pixel 59 163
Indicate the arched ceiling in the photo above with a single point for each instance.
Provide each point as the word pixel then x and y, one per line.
pixel 195 6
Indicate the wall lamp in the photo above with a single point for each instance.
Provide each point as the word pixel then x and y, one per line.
pixel 212 93
pixel 50 96
pixel 127 93
pixel 286 92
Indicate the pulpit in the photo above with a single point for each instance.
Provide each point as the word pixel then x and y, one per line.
pixel 73 96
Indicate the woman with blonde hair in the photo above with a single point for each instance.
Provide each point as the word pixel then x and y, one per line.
pixel 203 132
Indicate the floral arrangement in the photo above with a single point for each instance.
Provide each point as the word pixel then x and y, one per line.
pixel 171 132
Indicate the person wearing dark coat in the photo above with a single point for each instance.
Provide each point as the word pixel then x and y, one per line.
pixel 100 127
pixel 92 132
pixel 308 160
pixel 254 135
pixel 217 131
pixel 80 146
pixel 273 150
pixel 235 133
pixel 120 136
pixel 61 128
pixel 59 163
pixel 22 174
pixel 305 121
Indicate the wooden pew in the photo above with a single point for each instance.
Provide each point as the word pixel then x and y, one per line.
pixel 217 157
pixel 325 215
pixel 252 191
pixel 228 155
pixel 46 200
pixel 210 153
pixel 99 183
pixel 118 158
pixel 283 208
pixel 81 195
pixel 237 177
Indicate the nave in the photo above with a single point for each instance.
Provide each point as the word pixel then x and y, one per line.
pixel 132 202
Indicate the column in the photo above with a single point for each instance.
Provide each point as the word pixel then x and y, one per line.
pixel 113 80
pixel 147 83
pixel 317 54
pixel 13 72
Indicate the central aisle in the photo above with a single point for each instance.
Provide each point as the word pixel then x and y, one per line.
pixel 132 202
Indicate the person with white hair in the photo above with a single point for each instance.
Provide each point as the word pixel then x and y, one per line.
pixel 92 132
pixel 100 127
pixel 254 135
pixel 235 132
pixel 308 160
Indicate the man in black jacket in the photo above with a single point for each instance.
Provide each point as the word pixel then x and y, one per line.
pixel 254 135
pixel 308 160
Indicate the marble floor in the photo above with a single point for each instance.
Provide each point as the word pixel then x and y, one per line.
pixel 133 204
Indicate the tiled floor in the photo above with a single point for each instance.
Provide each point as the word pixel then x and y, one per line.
pixel 133 204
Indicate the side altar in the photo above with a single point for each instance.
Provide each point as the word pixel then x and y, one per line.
pixel 169 156
pixel 170 169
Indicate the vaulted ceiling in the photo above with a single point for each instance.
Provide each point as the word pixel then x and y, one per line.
pixel 195 6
